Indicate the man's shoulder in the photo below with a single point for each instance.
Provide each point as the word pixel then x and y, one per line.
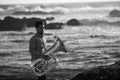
pixel 34 38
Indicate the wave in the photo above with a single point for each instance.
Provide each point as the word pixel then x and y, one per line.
pixel 24 9
pixel 93 22
pixel 35 12
pixel 90 8
pixel 62 8
pixel 1 9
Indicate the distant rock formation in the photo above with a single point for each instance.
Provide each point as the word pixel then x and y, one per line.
pixel 0 21
pixel 12 24
pixel 111 72
pixel 31 21
pixel 15 24
pixel 114 13
pixel 50 18
pixel 73 22
pixel 55 25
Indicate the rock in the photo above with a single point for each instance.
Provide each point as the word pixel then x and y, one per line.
pixel 55 25
pixel 12 24
pixel 50 18
pixel 114 13
pixel 15 24
pixel 73 22
pixel 0 21
pixel 98 36
pixel 110 72
pixel 31 21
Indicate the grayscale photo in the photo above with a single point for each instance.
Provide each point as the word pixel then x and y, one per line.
pixel 59 39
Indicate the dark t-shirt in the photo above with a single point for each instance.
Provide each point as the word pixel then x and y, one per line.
pixel 36 47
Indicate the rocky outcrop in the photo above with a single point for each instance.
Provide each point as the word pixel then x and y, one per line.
pixel 50 18
pixel 55 25
pixel 0 21
pixel 73 22
pixel 31 21
pixel 12 24
pixel 15 24
pixel 114 13
pixel 111 72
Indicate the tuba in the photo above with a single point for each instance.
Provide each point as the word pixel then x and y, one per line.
pixel 41 66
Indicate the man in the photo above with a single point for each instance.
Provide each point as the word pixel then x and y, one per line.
pixel 37 46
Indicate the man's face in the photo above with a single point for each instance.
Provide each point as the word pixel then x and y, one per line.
pixel 40 29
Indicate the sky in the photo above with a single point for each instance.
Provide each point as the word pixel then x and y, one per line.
pixel 48 1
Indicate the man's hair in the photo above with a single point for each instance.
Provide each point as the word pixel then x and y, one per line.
pixel 37 23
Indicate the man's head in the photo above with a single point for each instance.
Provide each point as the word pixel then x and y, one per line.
pixel 40 25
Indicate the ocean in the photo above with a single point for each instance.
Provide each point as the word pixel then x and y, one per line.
pixel 89 46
